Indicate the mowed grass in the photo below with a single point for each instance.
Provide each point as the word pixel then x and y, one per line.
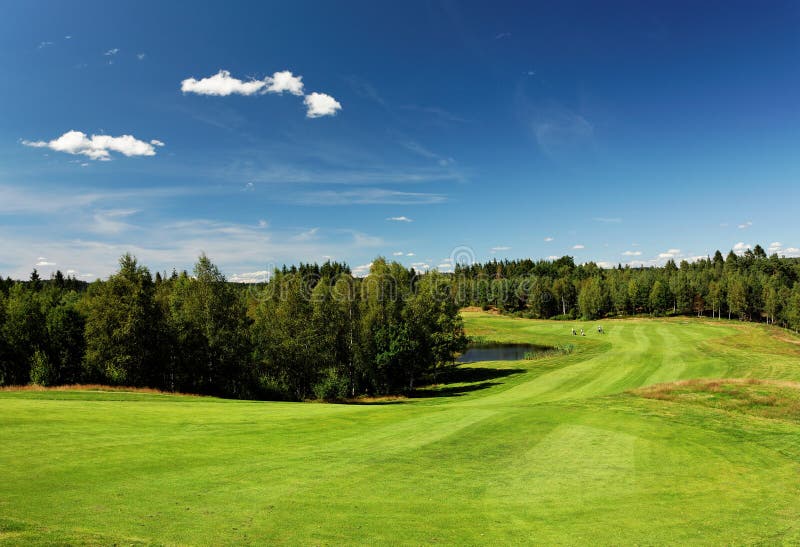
pixel 597 446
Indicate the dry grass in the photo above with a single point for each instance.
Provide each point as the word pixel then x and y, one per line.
pixel 773 399
pixel 97 387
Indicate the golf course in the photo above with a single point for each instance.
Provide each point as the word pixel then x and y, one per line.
pixel 658 431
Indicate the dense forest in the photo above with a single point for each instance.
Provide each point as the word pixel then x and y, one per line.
pixel 316 331
pixel 749 287
pixel 310 332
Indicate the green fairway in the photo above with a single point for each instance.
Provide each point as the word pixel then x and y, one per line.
pixel 565 448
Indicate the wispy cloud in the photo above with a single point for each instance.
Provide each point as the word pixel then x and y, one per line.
pixel 578 247
pixel 400 219
pixel 111 221
pixel 632 253
pixel 548 239
pixel 111 52
pixel 366 196
pixel 440 114
pixel 745 225
pixel 98 147
pixel 365 90
pixel 420 150
pixel 502 35
pixel 141 56
pixel 306 235
pixel 499 249
pixel 367 175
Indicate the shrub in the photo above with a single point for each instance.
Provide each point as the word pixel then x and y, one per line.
pixel 331 387
pixel 43 373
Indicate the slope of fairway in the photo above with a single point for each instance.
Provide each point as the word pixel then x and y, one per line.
pixel 578 447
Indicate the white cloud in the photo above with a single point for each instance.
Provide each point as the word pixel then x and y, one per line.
pixel 632 253
pixel 553 257
pixel 222 84
pixel 745 225
pixel 499 248
pixel 321 104
pixel 111 52
pixel 263 223
pixel 410 254
pixel 400 219
pixel 421 265
pixel 741 247
pixel 398 253
pixel 261 276
pixel 42 261
pixel 606 265
pixel 578 247
pixel 548 239
pixel 285 81
pixel 141 56
pixel 671 253
pixel 776 247
pixel 362 270
pixel 43 45
pixel 98 147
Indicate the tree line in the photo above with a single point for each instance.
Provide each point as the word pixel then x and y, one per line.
pixel 313 331
pixel 749 287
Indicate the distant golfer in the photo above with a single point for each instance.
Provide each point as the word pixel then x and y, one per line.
pixel 583 333
pixel 600 329
pixel 574 333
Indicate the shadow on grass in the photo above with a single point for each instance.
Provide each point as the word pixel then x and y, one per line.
pixel 454 381
pixel 475 378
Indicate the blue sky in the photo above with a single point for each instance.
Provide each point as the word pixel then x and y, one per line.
pixel 421 131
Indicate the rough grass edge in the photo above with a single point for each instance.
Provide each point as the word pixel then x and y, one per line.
pixel 653 391
pixel 98 388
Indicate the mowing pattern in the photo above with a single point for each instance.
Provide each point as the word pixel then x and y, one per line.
pixel 599 445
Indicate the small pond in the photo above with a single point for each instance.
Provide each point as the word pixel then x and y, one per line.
pixel 499 352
